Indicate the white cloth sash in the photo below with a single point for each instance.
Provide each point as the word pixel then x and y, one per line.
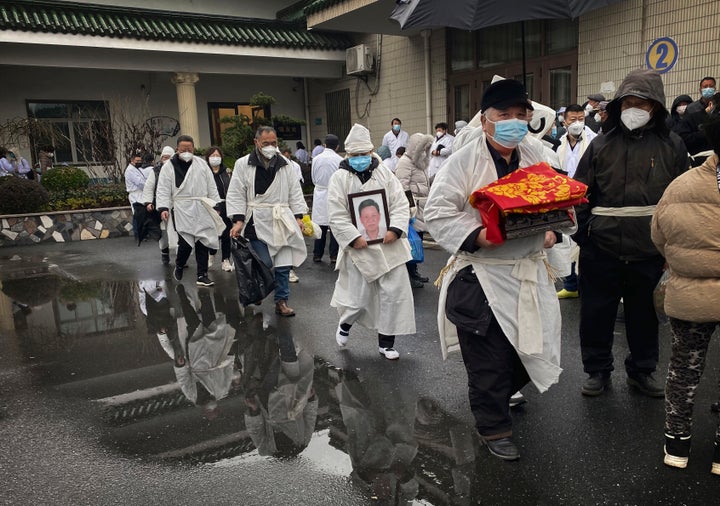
pixel 624 212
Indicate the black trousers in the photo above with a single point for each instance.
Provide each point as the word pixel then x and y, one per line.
pixel 225 239
pixel 603 281
pixel 319 245
pixel 201 255
pixel 495 372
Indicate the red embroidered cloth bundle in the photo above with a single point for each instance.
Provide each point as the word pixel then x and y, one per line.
pixel 537 192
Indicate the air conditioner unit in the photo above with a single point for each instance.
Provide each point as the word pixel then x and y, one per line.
pixel 358 60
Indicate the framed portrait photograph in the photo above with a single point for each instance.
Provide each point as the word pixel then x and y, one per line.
pixel 370 215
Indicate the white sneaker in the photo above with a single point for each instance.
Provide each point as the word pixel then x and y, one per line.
pixel 390 353
pixel 293 277
pixel 227 266
pixel 517 399
pixel 341 337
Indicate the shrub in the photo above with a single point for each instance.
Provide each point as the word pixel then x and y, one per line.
pixel 93 197
pixel 61 179
pixel 19 195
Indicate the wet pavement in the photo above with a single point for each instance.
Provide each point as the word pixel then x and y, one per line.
pixel 95 410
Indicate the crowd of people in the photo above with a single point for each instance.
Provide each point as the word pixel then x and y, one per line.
pixel 498 303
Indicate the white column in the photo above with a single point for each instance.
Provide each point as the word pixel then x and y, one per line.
pixel 187 104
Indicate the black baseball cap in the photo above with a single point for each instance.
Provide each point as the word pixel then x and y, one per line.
pixel 503 94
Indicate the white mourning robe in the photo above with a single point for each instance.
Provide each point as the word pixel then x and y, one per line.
pixel 147 198
pixel 192 203
pixel 323 167
pixel 135 182
pixel 207 358
pixel 289 410
pixel 513 276
pixel 436 161
pixel 373 287
pixel 273 211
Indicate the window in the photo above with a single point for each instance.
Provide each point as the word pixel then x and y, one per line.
pixel 219 110
pixel 80 130
pixel 462 56
pixel 337 105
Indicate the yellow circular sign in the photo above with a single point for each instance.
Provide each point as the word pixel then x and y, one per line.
pixel 662 54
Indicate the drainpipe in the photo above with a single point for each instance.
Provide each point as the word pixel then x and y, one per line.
pixel 425 34
pixel 308 144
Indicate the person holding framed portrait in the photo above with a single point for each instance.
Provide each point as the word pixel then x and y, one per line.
pixel 369 215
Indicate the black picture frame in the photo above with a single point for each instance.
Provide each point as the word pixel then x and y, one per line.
pixel 373 199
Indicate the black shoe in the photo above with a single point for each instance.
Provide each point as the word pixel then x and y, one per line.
pixel 178 273
pixel 646 384
pixel 416 283
pixel 503 448
pixel 165 253
pixel 317 259
pixel 596 384
pixel 203 280
pixel 677 451
pixel 715 407
pixel 716 460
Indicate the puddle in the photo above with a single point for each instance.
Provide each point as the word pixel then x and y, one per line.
pixel 182 375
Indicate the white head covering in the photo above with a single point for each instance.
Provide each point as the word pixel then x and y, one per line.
pixel 358 140
pixel 459 125
pixel 167 151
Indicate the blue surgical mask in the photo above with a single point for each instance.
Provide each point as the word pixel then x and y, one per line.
pixel 553 133
pixel 360 163
pixel 707 92
pixel 396 128
pixel 509 132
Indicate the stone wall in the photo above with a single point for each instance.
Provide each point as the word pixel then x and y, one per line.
pixel 65 226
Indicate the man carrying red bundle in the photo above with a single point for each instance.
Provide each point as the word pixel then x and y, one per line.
pixel 497 302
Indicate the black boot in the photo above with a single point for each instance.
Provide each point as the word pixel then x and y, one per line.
pixel 165 256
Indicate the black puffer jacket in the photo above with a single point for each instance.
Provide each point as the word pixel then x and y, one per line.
pixel 628 168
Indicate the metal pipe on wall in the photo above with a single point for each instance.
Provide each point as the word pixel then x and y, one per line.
pixel 308 144
pixel 425 34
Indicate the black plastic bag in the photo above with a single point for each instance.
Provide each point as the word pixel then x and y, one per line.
pixel 148 224
pixel 255 279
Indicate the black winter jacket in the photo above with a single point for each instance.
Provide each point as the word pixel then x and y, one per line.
pixel 621 169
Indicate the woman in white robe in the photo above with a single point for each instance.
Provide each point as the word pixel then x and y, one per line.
pixel 373 287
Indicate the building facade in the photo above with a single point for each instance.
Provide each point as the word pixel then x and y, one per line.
pixel 84 64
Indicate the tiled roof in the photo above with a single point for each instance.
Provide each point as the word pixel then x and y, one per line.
pixel 117 22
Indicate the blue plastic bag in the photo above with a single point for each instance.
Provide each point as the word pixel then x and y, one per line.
pixel 416 246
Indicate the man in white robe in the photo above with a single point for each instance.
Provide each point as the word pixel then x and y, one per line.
pixel 395 138
pixel 440 149
pixel 135 177
pixel 148 198
pixel 497 302
pixel 266 204
pixel 324 166
pixel 186 185
pixel 373 287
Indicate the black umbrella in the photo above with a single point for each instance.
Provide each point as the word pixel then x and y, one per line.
pixel 477 14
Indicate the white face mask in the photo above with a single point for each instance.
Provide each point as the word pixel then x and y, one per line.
pixel 588 108
pixel 186 156
pixel 439 134
pixel 268 151
pixel 576 128
pixel 51 155
pixel 214 161
pixel 597 117
pixel 634 118
pixel 681 109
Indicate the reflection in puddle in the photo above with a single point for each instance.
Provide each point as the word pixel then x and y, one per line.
pixel 181 374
